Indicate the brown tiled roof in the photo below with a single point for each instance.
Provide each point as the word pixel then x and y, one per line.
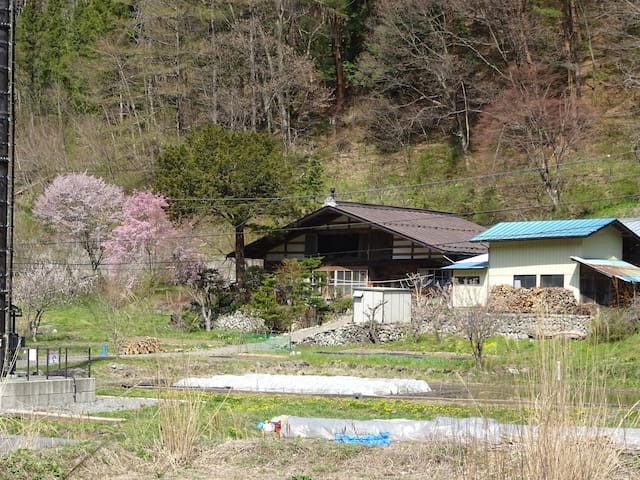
pixel 440 231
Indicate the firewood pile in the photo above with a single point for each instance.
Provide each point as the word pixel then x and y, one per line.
pixel 141 346
pixel 505 298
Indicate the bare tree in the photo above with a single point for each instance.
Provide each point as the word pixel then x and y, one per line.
pixel 430 306
pixel 477 326
pixel 415 62
pixel 44 284
pixel 372 323
pixel 536 119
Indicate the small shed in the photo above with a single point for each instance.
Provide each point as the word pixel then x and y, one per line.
pixel 384 305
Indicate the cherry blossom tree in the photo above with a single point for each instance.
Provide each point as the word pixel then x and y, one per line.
pixel 83 208
pixel 147 241
pixel 45 284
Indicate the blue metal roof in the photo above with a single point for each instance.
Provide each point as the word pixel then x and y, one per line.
pixel 543 229
pixel 477 262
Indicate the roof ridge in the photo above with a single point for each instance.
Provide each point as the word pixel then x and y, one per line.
pixel 393 207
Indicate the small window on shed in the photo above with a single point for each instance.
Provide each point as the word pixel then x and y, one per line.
pixel 468 280
pixel 524 281
pixel 548 281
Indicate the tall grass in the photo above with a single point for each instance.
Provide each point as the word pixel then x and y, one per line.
pixel 185 420
pixel 566 416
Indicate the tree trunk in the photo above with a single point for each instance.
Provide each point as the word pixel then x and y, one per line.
pixel 477 353
pixel 178 74
pixel 253 74
pixel 206 314
pixel 337 55
pixel 571 31
pixel 239 252
pixel 285 125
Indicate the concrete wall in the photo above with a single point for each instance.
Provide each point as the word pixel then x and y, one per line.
pixel 19 393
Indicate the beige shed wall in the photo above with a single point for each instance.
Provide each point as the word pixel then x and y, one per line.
pixel 469 295
pixel 606 243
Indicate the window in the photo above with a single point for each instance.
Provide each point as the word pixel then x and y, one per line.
pixel 548 281
pixel 342 282
pixel 338 246
pixel 472 280
pixel 524 281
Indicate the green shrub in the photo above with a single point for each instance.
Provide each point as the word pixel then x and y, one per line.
pixel 341 305
pixel 190 321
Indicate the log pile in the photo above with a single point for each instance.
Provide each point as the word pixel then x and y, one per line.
pixel 141 346
pixel 505 298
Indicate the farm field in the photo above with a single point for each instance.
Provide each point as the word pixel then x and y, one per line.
pixel 194 434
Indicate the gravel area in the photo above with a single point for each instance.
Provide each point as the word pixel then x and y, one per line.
pixel 102 404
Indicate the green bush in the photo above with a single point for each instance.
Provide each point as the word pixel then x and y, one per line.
pixel 341 305
pixel 190 321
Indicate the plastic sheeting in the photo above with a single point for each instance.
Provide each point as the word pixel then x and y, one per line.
pixel 310 384
pixel 374 440
pixel 460 429
pixel 398 429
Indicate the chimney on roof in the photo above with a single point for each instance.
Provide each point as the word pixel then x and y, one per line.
pixel 330 201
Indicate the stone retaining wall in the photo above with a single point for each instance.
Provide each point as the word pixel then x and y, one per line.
pixel 511 325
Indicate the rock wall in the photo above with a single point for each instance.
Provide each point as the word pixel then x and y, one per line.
pixel 513 325
pixel 352 333
pixel 510 325
pixel 240 320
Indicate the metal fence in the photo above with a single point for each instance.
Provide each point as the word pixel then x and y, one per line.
pixel 55 362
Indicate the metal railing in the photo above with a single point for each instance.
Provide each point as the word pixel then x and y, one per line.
pixel 54 362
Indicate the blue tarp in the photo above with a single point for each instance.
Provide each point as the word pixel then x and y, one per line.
pixel 375 439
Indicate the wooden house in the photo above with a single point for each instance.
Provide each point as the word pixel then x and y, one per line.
pixel 371 245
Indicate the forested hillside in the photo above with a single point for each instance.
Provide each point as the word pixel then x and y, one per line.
pixel 499 109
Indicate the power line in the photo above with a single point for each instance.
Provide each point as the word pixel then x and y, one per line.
pixel 138 265
pixel 435 183
pixel 267 231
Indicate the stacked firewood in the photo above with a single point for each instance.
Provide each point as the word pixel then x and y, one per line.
pixel 505 298
pixel 141 346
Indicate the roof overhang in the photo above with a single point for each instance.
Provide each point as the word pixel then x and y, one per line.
pixel 478 262
pixel 619 269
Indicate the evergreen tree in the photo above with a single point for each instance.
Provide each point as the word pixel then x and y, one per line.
pixel 238 175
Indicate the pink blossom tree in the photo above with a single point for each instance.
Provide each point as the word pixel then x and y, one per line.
pixel 45 284
pixel 147 241
pixel 83 208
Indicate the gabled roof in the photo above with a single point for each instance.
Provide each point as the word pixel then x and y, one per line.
pixel 632 224
pixel 439 231
pixel 612 268
pixel 537 230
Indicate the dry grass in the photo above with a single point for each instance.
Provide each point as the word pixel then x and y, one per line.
pixel 563 438
pixel 260 459
pixel 183 425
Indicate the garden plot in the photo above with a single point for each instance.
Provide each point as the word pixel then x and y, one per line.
pixel 310 384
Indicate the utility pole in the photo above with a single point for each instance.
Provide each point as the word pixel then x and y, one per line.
pixel 9 340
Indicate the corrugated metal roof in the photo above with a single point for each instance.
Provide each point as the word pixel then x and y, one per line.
pixel 543 229
pixel 477 262
pixel 632 224
pixel 612 268
pixel 439 230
